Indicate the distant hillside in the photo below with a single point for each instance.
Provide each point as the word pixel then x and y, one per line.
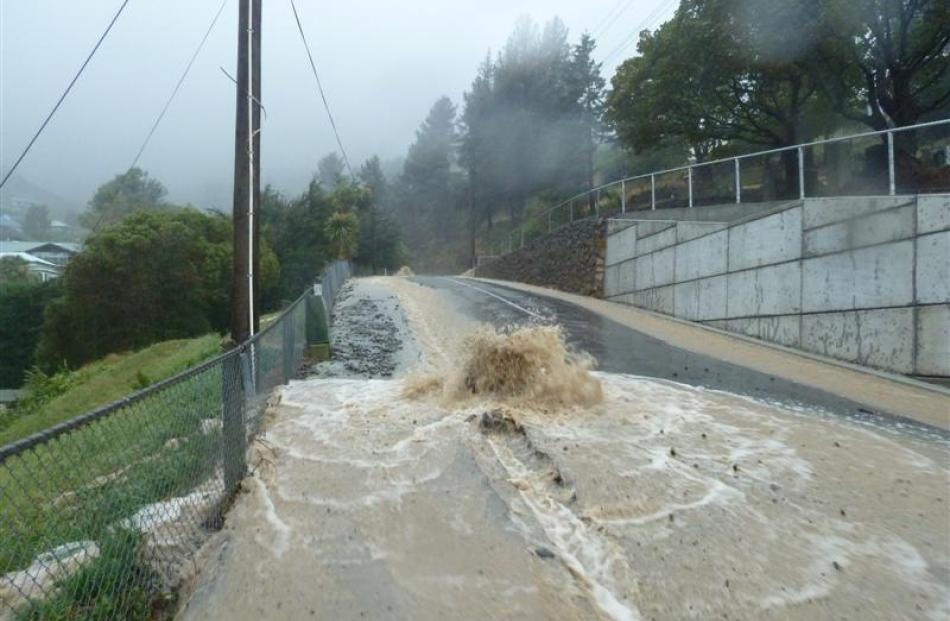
pixel 19 193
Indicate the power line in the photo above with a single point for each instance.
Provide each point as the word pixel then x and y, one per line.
pixel 323 96
pixel 181 80
pixel 611 19
pixel 606 18
pixel 65 93
pixel 648 22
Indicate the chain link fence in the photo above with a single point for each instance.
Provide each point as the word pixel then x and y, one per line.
pixel 100 516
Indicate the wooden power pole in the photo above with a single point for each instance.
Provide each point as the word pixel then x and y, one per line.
pixel 246 174
pixel 256 91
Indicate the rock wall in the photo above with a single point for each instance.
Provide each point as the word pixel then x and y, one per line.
pixel 570 259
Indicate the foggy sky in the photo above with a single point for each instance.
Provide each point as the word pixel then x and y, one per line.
pixel 382 64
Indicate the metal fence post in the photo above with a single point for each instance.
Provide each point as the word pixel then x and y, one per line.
pixel 892 181
pixel 689 182
pixel 801 173
pixel 522 238
pixel 623 196
pixel 288 347
pixel 738 183
pixel 572 210
pixel 549 219
pixel 233 433
pixel 652 191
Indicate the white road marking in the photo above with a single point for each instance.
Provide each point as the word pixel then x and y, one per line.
pixel 498 297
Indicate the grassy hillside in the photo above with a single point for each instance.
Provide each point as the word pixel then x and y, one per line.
pixel 109 379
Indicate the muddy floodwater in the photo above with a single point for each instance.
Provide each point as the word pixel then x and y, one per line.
pixel 645 500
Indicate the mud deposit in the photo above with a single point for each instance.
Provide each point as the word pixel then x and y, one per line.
pixel 662 501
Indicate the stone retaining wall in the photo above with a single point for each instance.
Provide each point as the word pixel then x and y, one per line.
pixel 569 259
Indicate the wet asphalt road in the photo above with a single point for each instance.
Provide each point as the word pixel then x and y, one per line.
pixel 620 349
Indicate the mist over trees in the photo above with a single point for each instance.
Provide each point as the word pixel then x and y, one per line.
pixel 721 77
pixel 529 126
pixel 125 194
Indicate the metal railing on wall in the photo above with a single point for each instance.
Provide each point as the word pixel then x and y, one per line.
pixel 914 159
pixel 103 512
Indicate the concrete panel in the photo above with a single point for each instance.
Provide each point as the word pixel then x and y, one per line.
pixel 626 276
pixel 647 228
pixel 611 281
pixel 686 231
pixel 701 300
pixel 933 213
pixel 877 228
pixel 655 270
pixel 659 299
pixel 768 240
pixel 879 338
pixel 658 241
pixel 615 226
pixel 866 278
pixel 782 330
pixel 821 211
pixel 702 257
pixel 932 272
pixel 621 246
pixel 748 326
pixel 771 290
pixel 933 341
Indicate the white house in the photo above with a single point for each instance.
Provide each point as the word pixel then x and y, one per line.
pixel 40 268
pixel 57 253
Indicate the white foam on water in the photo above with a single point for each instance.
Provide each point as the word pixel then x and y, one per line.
pixel 282 531
pixel 718 494
pixel 586 554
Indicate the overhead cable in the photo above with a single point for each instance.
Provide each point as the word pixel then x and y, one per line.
pixel 323 96
pixel 181 81
pixel 65 93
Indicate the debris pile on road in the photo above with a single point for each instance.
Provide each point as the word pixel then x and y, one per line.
pixel 405 272
pixel 369 335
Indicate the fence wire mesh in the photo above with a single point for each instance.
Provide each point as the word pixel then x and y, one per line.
pixel 100 516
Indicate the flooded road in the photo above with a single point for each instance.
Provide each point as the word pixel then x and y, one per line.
pixel 443 492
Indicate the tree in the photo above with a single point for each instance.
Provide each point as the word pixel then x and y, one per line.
pixel 343 229
pixel 759 82
pixel 127 193
pixel 428 165
pixel 586 90
pixel 379 234
pixel 528 120
pixel 36 222
pixel 371 175
pixel 330 171
pixel 891 59
pixel 13 270
pixel 21 319
pixel 154 276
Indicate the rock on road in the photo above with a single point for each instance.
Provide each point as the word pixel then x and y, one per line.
pixel 664 501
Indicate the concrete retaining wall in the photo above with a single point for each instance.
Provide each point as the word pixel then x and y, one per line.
pixel 865 280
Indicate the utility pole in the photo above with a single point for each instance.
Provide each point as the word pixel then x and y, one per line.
pixel 256 189
pixel 246 187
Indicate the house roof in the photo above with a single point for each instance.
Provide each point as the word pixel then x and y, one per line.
pixel 29 258
pixel 31 246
